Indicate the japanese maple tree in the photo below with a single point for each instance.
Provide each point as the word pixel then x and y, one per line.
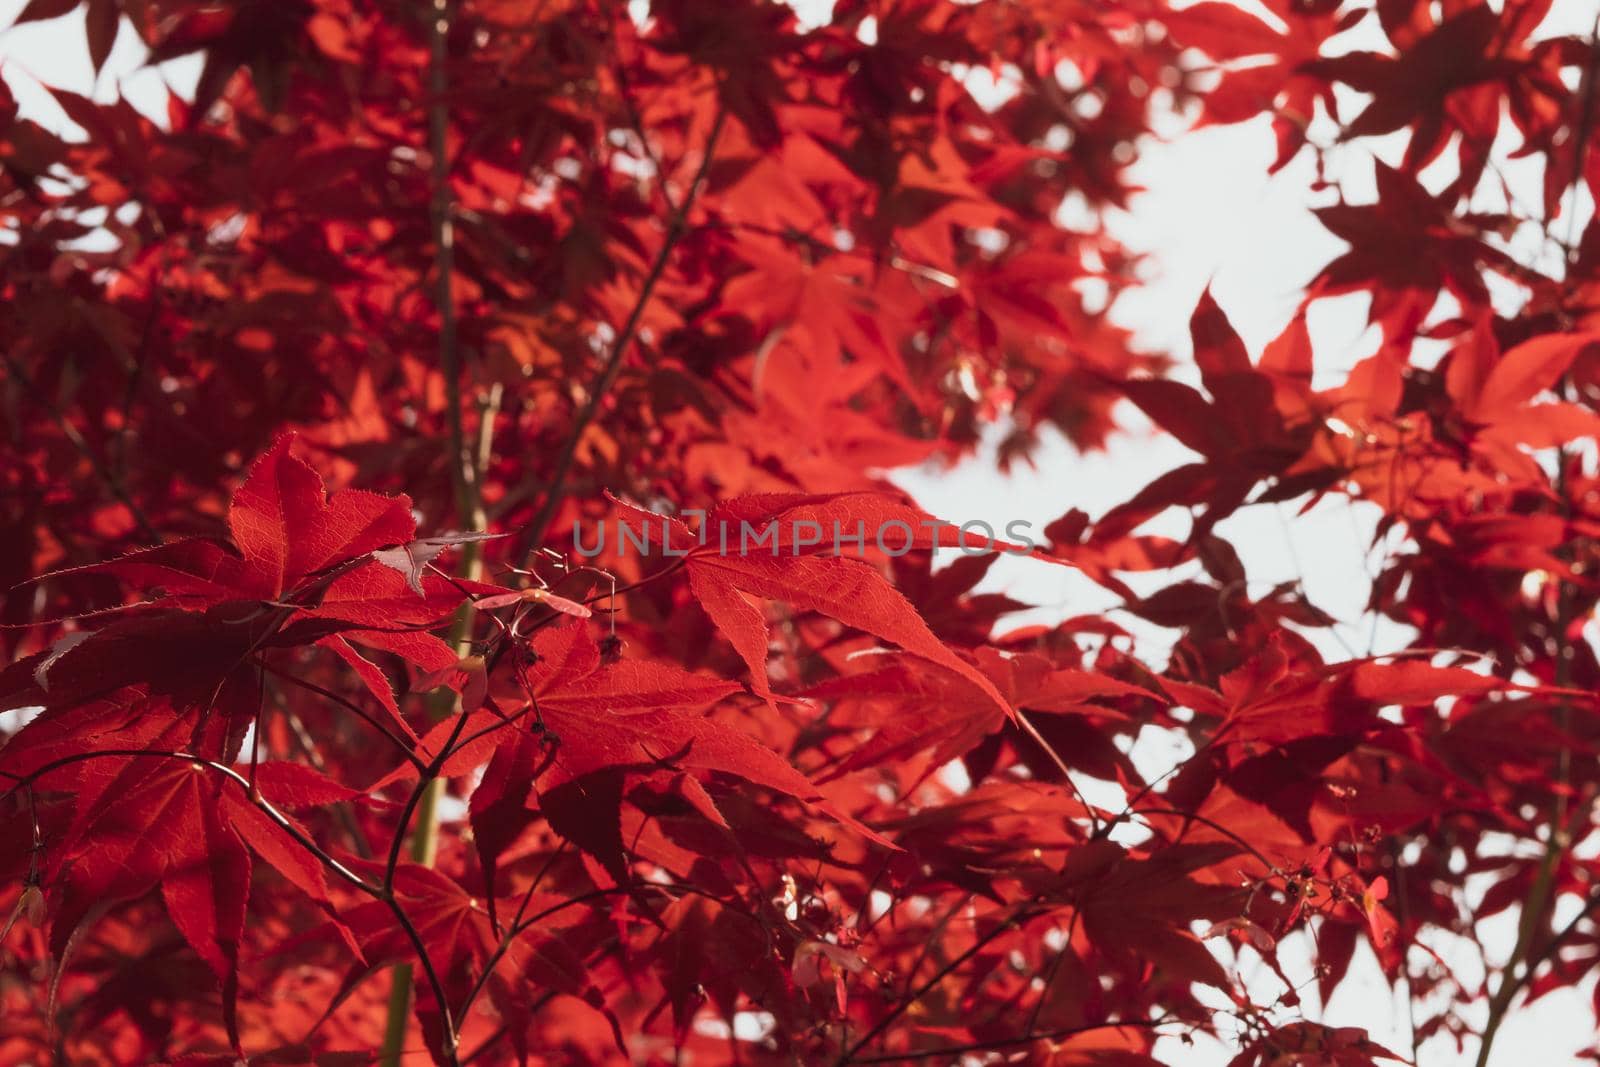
pixel 387 687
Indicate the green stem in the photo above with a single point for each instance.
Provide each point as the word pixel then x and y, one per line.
pixel 466 467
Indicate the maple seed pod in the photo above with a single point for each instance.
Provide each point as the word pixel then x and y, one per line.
pixel 534 596
pixel 557 603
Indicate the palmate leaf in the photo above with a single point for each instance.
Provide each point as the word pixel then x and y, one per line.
pixel 729 583
pixel 586 721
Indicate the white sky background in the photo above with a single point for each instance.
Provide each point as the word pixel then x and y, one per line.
pixel 1210 214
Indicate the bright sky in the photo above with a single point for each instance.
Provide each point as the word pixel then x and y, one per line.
pixel 1210 213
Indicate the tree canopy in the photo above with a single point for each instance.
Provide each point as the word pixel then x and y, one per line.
pixel 339 742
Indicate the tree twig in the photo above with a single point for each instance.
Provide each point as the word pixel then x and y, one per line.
pixel 102 471
pixel 905 1003
pixel 533 533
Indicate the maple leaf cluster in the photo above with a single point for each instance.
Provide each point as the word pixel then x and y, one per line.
pixel 325 747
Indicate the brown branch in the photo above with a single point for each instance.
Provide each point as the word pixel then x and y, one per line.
pixel 106 475
pixel 905 1003
pixel 383 893
pixel 533 533
pixel 265 806
pixel 354 708
pixel 1009 1042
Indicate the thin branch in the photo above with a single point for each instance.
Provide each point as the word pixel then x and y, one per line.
pixel 1549 949
pixel 106 475
pixel 426 780
pixel 1009 1042
pixel 1055 969
pixel 516 930
pixel 308 747
pixel 383 893
pixel 1189 816
pixel 354 708
pixel 1521 964
pixel 1586 121
pixel 905 1003
pixel 261 803
pixel 533 533
pixel 446 1019
pixel 1037 738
